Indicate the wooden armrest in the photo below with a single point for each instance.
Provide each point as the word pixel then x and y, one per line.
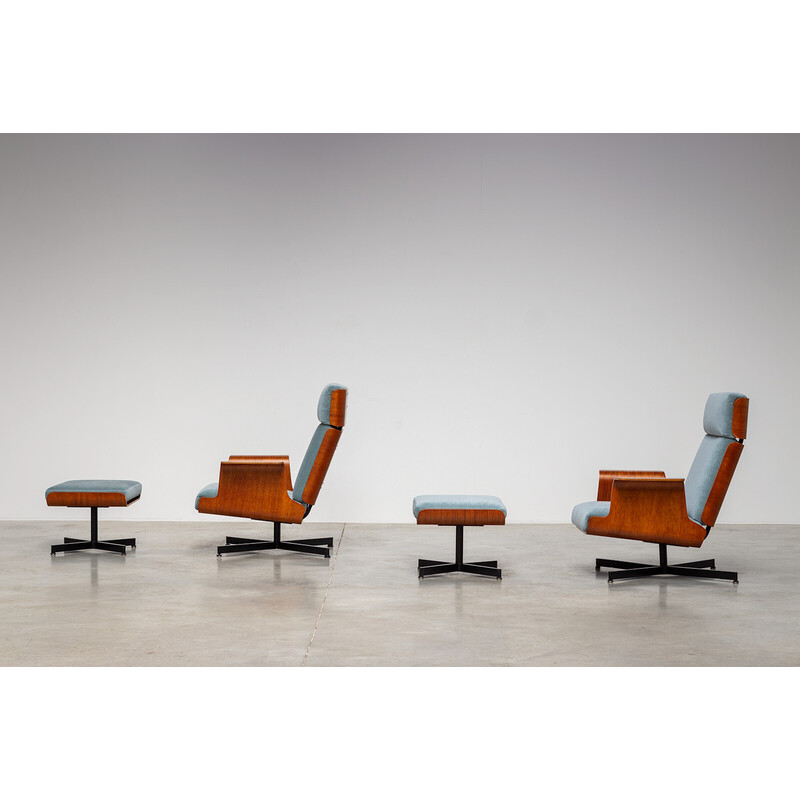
pixel 607 478
pixel 254 487
pixel 258 458
pixel 652 509
pixel 264 459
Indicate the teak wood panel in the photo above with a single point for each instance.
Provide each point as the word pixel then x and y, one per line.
pixel 723 480
pixel 321 463
pixel 741 407
pixel 651 510
pixel 255 489
pixel 263 458
pixel 461 516
pixel 607 478
pixel 338 407
pixel 88 499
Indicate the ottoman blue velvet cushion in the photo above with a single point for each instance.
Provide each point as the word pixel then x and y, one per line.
pixel 437 501
pixel 130 489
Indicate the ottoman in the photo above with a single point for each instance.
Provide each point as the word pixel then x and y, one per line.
pixel 93 494
pixel 459 510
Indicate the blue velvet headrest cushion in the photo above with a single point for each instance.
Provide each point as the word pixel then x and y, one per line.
pixel 718 415
pixel 324 405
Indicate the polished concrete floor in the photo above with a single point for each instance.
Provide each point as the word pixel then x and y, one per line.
pixel 172 602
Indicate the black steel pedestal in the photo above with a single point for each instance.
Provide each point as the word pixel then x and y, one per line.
pixel 487 568
pixel 111 545
pixel 694 569
pixel 236 544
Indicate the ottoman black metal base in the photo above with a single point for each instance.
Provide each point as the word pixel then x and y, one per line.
pixel 693 569
pixel 236 544
pixel 487 568
pixel 110 545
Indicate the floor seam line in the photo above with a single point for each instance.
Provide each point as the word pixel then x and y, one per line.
pixel 325 598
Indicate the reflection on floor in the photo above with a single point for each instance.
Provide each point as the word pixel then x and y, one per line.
pixel 172 602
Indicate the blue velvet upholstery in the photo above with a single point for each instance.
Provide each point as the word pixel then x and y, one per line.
pixel 207 491
pixel 256 491
pixel 703 473
pixel 718 414
pixel 324 404
pixel 312 452
pixel 308 461
pixel 592 508
pixel 437 501
pixel 130 489
pixel 718 425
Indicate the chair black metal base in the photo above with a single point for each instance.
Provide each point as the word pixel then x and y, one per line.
pixel 693 569
pixel 487 568
pixel 236 544
pixel 110 545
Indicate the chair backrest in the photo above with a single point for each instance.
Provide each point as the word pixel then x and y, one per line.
pixel 331 410
pixel 725 424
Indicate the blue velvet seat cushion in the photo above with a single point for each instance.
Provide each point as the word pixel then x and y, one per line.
pixel 583 512
pixel 207 491
pixel 130 489
pixel 324 404
pixel 438 501
pixel 718 414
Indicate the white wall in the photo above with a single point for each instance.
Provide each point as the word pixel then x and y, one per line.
pixel 511 313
